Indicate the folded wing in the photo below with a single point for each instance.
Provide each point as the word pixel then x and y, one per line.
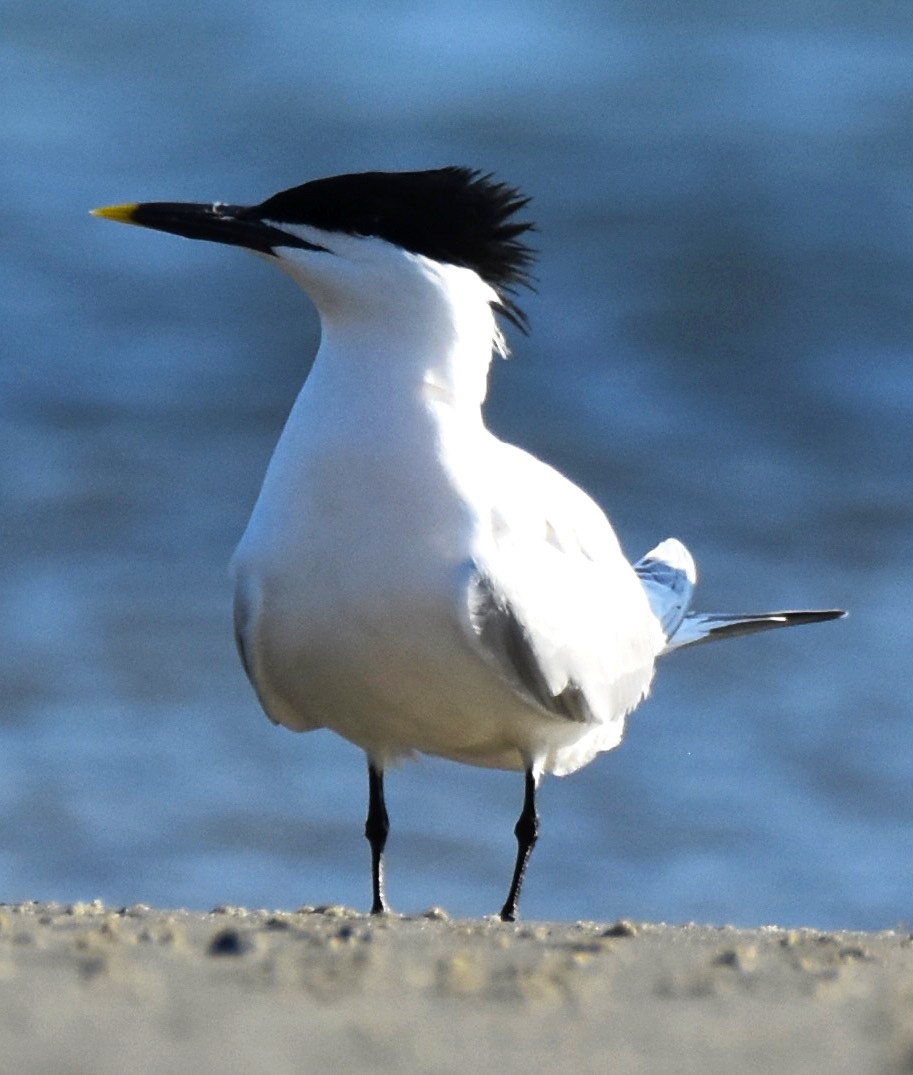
pixel 552 605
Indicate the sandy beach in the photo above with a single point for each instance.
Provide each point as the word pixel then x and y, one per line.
pixel 88 988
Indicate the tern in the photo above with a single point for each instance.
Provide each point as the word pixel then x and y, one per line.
pixel 407 579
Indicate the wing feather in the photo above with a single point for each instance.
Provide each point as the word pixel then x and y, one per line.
pixel 552 603
pixel 699 627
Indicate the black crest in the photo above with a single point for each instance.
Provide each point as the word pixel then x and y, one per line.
pixel 455 215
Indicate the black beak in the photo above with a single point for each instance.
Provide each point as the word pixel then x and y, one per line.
pixel 234 225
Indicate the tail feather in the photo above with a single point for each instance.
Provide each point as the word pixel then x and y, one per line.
pixel 668 576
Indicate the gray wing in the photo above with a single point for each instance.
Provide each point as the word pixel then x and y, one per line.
pixel 551 605
pixel 511 645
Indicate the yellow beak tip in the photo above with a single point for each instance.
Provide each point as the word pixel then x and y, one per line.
pixel 122 213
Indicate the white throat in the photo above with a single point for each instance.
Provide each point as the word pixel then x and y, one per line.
pixel 395 324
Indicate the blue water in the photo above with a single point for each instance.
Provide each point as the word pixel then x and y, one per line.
pixel 721 350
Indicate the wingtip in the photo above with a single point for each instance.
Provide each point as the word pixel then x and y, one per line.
pixel 795 617
pixel 699 627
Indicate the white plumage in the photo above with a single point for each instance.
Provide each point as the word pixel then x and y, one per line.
pixel 407 579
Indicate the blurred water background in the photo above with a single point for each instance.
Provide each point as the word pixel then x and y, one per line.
pixel 721 350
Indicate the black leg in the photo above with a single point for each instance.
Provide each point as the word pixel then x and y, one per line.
pixel 376 828
pixel 527 832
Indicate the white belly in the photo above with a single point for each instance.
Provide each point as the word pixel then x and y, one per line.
pixel 356 628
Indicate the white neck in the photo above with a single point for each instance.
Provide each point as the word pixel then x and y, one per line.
pixel 397 329
pixel 386 416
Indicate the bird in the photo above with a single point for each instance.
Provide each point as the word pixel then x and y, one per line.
pixel 407 579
